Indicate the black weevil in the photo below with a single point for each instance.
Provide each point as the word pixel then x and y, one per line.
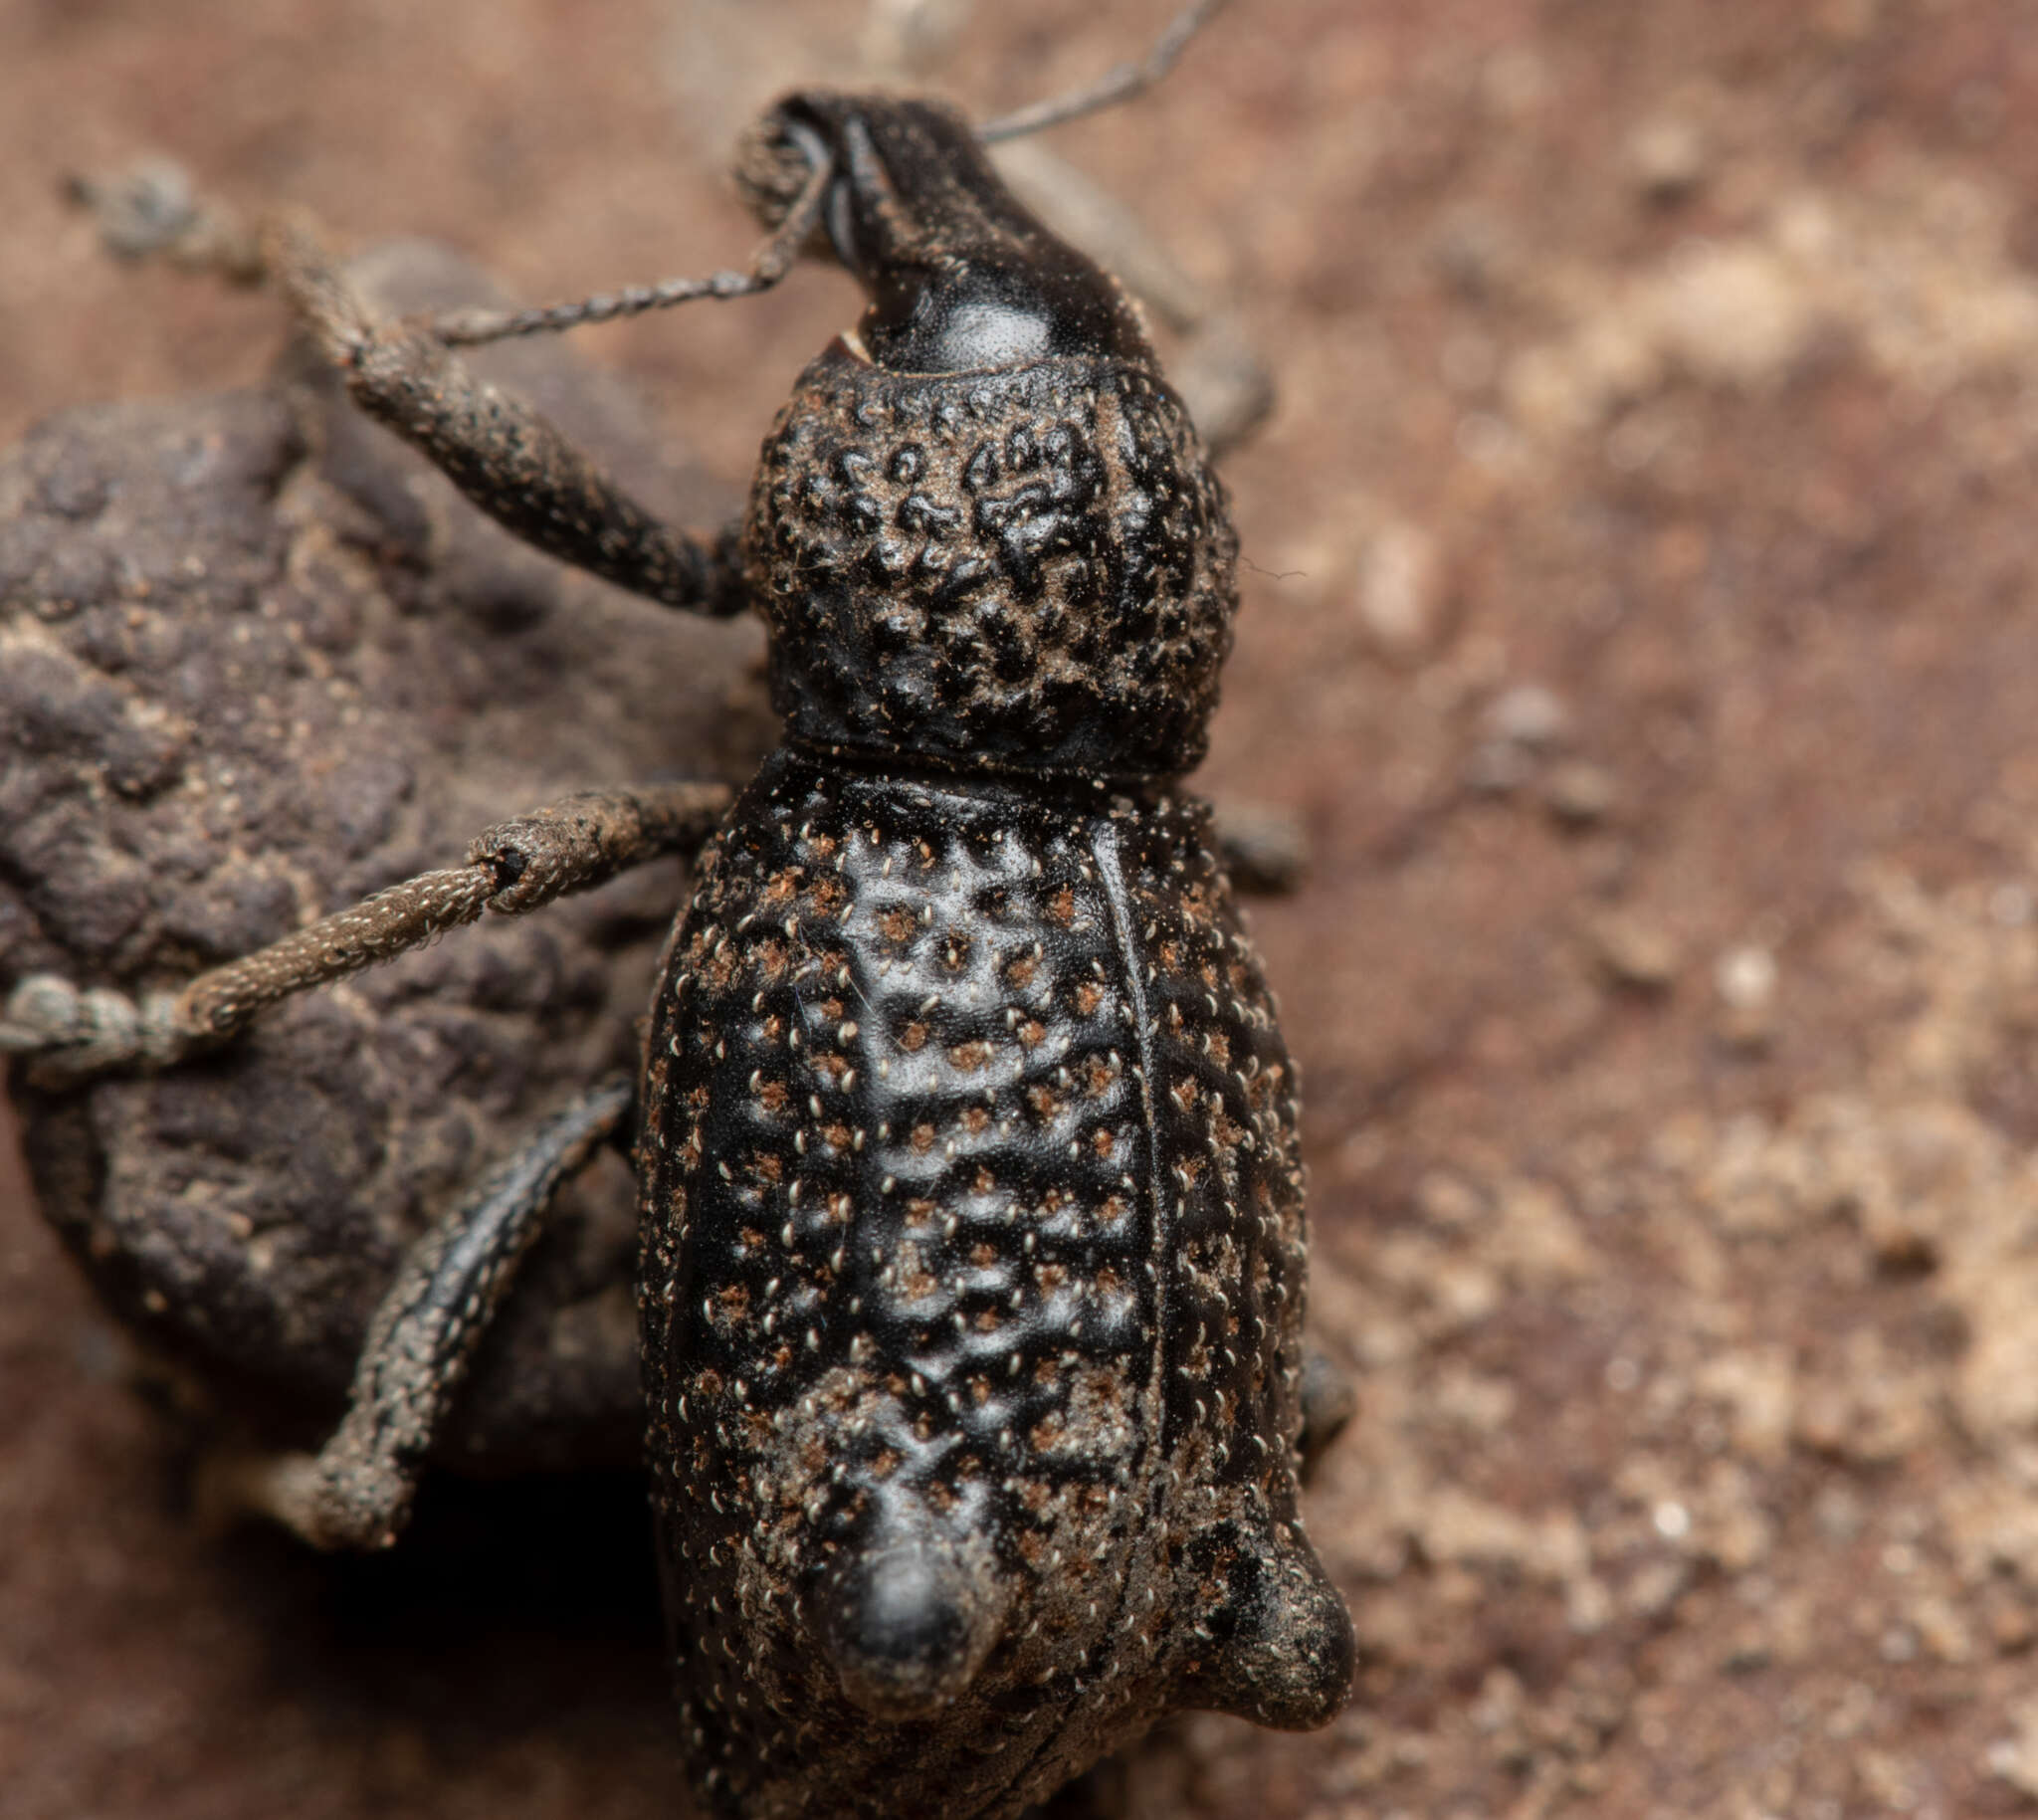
pixel 972 1255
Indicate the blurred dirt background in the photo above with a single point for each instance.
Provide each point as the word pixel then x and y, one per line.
pixel 1640 625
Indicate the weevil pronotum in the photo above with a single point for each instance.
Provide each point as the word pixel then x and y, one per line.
pixel 972 1241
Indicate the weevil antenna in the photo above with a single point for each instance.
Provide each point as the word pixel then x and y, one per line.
pixel 474 327
pixel 771 262
pixel 1117 85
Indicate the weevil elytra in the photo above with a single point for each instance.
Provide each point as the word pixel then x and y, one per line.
pixel 972 1245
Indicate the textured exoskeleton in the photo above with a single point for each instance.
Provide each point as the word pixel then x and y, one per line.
pixel 973 1235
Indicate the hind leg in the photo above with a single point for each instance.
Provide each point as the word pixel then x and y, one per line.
pixel 356 1492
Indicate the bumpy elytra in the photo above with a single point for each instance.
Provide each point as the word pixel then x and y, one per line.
pixel 973 1254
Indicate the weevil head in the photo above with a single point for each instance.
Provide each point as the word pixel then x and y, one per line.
pixel 984 532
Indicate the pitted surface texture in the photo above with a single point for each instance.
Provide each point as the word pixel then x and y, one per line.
pixel 958 1227
pixel 1030 570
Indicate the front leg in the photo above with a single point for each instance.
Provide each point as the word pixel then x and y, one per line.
pixel 508 458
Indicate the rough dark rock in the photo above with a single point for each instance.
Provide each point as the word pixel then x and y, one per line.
pixel 256 661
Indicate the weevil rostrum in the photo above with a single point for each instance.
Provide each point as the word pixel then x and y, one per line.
pixel 972 1244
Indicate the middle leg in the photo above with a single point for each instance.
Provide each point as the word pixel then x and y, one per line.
pixel 69 1034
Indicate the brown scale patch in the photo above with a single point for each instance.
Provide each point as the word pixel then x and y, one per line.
pixel 1047 1434
pixel 914 1038
pixel 1107 1391
pixel 885 1464
pixel 983 1256
pixel 840 1206
pixel 989 1320
pixel 1089 995
pixel 976 1120
pixel 1217 1046
pixel 914 1280
pixel 1104 1140
pixel 1032 1033
pixel 837 1137
pixel 771 959
pixel 1019 971
pixel 1263 1275
pixel 969 1057
pixel 772 1097
pixel 782 887
pixel 833 1066
pixel 955 948
pixel 730 1304
pixel 1170 956
pixel 1183 1094
pixel 822 846
pixel 922 1140
pixel 1098 1076
pixel 827 895
pixel 899 924
pixel 983 1182
pixel 1043 1101
pixel 751 1238
pixel 1060 908
pixel 1266 1086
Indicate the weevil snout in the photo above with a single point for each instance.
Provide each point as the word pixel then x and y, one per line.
pixel 962 277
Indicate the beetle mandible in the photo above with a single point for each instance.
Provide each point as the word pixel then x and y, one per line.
pixel 972 1257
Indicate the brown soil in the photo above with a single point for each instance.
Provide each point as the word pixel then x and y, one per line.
pixel 1638 623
